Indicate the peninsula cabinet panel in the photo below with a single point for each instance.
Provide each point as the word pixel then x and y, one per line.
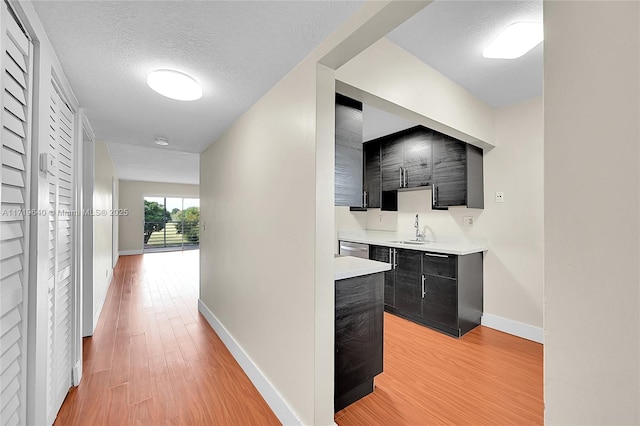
pixel 359 316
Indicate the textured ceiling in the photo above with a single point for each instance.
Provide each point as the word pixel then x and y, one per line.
pixel 237 50
pixel 450 36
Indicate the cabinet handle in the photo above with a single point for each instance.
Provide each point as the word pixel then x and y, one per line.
pixel 433 194
pixel 436 255
pixel 406 178
pixel 401 178
pixel 364 199
pixel 391 257
pixel 423 292
pixel 395 258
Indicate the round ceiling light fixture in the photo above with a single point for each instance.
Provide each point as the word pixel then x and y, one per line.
pixel 174 85
pixel 161 141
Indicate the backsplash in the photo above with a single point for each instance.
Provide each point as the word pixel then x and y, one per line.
pixel 436 223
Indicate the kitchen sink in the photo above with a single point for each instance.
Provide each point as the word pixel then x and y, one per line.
pixel 410 242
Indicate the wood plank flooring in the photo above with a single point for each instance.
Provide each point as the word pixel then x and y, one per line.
pixel 154 360
pixel 484 378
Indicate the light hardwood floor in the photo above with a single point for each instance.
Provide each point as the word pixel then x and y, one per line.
pixel 154 360
pixel 484 378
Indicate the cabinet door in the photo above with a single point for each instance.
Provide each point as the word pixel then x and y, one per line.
pixel 391 160
pixel 417 158
pixel 383 254
pixel 440 303
pixel 409 282
pixel 372 174
pixel 348 153
pixel 449 171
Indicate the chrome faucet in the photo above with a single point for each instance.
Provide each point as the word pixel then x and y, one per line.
pixel 419 235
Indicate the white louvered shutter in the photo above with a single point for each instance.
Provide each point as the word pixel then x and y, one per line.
pixel 14 192
pixel 61 256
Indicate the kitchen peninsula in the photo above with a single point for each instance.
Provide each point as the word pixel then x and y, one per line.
pixel 359 310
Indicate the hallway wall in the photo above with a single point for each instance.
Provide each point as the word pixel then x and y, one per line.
pixel 103 226
pixel 131 197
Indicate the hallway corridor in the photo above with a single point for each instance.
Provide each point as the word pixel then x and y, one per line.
pixel 154 360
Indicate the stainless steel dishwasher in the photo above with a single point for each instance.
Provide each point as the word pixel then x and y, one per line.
pixel 354 249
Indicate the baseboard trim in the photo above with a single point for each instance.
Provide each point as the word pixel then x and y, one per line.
pixel 129 252
pixel 515 328
pixel 103 298
pixel 273 398
pixel 76 373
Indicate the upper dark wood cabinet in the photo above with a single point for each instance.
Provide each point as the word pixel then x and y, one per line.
pixel 372 174
pixel 421 157
pixel 348 152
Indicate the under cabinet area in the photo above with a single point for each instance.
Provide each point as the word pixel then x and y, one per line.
pixel 442 291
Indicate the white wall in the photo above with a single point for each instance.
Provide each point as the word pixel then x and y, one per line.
pixel 386 71
pixel 131 197
pixel 104 173
pixel 592 196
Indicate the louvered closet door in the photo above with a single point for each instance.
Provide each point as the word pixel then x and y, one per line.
pixel 61 255
pixel 14 193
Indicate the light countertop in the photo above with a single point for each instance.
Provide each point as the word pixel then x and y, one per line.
pixel 445 245
pixel 349 267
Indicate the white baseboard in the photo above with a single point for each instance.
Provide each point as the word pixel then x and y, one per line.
pixel 515 328
pixel 129 252
pixel 76 373
pixel 273 398
pixel 103 298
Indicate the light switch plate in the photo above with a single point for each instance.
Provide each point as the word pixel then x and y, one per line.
pixel 467 220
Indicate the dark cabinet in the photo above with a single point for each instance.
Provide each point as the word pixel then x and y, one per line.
pixel 441 291
pixel 348 152
pixel 457 174
pixel 408 289
pixel 358 337
pixel 372 186
pixel 417 157
pixel 421 157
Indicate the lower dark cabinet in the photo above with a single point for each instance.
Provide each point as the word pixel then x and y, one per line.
pixel 440 302
pixel 441 291
pixel 359 317
pixel 408 279
pixel 386 254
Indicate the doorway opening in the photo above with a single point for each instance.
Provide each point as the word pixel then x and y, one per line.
pixel 171 223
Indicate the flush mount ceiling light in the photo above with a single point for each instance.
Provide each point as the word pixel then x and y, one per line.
pixel 514 41
pixel 161 141
pixel 174 85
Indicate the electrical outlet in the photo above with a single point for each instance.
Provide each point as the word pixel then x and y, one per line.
pixel 499 197
pixel 380 218
pixel 468 220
